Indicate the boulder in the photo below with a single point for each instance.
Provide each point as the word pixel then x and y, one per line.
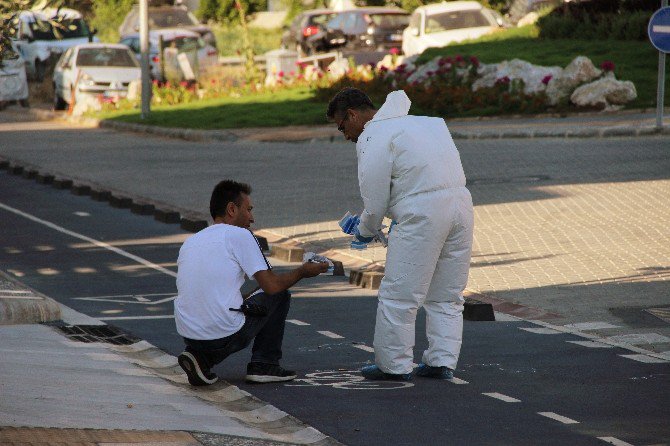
pixel 579 71
pixel 528 19
pixel 85 103
pixel 606 92
pixel 424 72
pixel 531 75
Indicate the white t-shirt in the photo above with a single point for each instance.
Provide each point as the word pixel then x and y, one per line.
pixel 211 269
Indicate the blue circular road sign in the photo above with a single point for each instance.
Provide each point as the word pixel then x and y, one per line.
pixel 659 29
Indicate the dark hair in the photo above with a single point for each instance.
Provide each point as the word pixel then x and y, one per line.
pixel 225 192
pixel 347 98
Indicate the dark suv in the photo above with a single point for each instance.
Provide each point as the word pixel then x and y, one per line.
pixel 370 29
pixel 307 32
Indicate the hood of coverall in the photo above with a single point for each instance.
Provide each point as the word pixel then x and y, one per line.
pixel 396 105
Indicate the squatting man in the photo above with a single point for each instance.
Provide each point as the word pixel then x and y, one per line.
pixel 409 170
pixel 210 312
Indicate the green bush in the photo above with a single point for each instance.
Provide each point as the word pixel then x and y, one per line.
pixel 628 26
pixel 107 16
pixel 229 39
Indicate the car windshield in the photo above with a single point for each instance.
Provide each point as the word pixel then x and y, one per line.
pixel 170 18
pixel 447 21
pixel 388 20
pixel 105 57
pixel 320 19
pixel 184 44
pixel 59 29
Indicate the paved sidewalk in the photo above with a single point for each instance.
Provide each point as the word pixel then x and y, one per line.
pixel 78 381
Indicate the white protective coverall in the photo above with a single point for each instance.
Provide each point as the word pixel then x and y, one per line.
pixel 409 169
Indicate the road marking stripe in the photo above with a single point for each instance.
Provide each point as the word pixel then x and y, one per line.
pixel 330 334
pixel 540 330
pixel 455 380
pixel 591 344
pixel 4 296
pixel 591 326
pixel 98 243
pixel 614 441
pixel 557 417
pixel 132 318
pixel 296 322
pixel 501 397
pixel 364 348
pixel 645 358
pixel 16 291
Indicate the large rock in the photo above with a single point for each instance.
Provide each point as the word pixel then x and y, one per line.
pixel 579 71
pixel 531 75
pixel 338 68
pixel 424 72
pixel 606 92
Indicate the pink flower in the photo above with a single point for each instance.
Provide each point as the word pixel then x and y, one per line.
pixel 167 84
pixel 442 62
pixel 292 73
pixel 383 69
pixel 459 58
pixel 401 68
pixel 546 79
pixel 474 61
pixel 394 51
pixel 608 65
pixel 280 74
pixel 183 84
pixel 430 73
pixel 212 81
pixel 503 81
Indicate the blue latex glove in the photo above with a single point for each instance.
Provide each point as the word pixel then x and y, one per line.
pixel 350 224
pixel 360 238
pixel 393 223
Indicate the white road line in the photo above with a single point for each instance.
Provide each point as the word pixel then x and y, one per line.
pixel 455 380
pixel 501 397
pixel 540 330
pixel 614 441
pixel 591 344
pixel 296 322
pixel 4 296
pixel 591 326
pixel 16 291
pixel 132 318
pixel 82 214
pixel 645 358
pixel 364 348
pixel 557 417
pixel 330 334
pixel 98 243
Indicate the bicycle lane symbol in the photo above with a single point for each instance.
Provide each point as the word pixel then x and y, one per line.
pixel 347 380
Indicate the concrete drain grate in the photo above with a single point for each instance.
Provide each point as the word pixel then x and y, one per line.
pixel 661 313
pixel 519 179
pixel 97 333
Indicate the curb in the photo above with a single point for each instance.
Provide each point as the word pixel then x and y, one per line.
pixel 23 305
pixel 310 133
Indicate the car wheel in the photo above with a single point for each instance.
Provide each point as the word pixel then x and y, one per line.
pixel 40 70
pixel 59 102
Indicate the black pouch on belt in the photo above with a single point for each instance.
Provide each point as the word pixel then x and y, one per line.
pixel 252 310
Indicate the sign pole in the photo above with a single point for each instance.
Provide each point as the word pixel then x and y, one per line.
pixel 660 94
pixel 144 60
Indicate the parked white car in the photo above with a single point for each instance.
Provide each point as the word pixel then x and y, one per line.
pixel 175 42
pixel 13 81
pixel 440 24
pixel 94 69
pixel 41 43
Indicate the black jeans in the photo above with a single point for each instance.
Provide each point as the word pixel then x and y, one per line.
pixel 267 333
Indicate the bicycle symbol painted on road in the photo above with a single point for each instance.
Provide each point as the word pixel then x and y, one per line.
pixel 347 380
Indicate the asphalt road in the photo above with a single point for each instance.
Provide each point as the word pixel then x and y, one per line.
pixel 515 386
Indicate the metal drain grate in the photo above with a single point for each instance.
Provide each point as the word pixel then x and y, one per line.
pixel 97 333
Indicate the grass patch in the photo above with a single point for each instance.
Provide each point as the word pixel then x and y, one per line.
pixel 285 107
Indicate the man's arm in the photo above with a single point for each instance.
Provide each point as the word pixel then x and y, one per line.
pixel 272 283
pixel 374 178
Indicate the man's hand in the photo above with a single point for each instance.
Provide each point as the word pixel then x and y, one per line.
pixel 311 269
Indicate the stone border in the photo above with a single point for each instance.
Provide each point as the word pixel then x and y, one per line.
pixel 31 307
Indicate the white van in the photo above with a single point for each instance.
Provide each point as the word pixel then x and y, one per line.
pixel 440 24
pixel 41 42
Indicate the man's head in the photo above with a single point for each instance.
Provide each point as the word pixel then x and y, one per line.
pixel 350 109
pixel 231 204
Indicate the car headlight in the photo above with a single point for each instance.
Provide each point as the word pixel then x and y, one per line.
pixel 86 80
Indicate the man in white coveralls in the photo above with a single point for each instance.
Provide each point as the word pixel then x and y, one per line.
pixel 409 169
